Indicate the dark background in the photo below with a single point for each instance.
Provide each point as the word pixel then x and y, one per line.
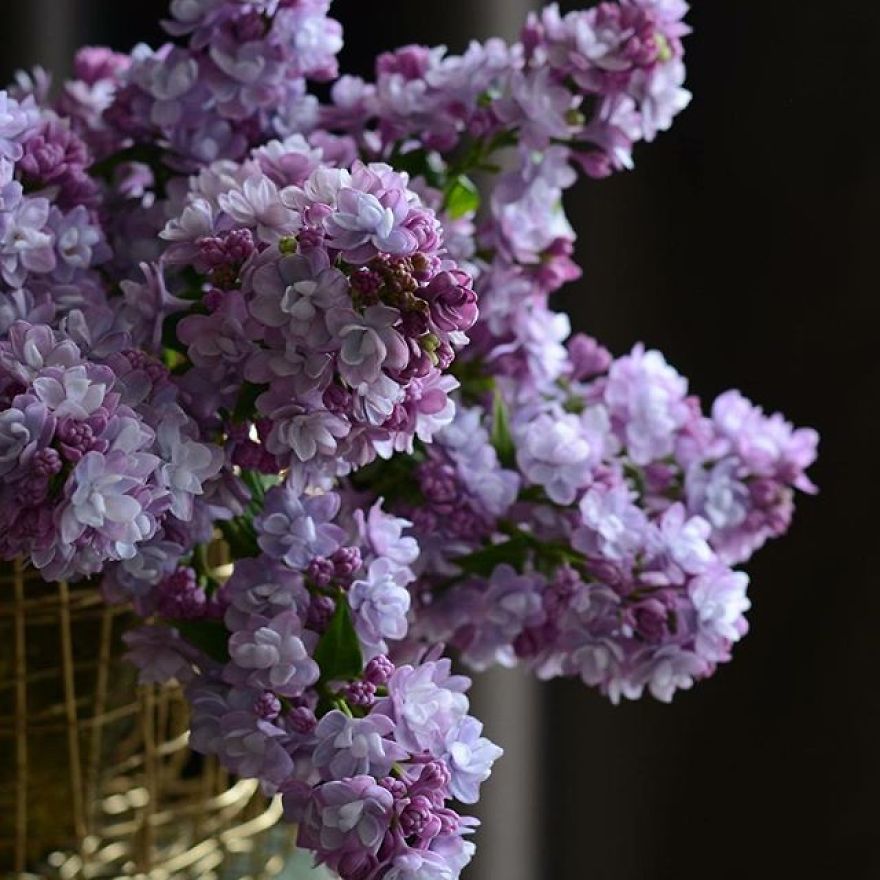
pixel 744 246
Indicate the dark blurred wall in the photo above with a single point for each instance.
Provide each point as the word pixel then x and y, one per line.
pixel 744 247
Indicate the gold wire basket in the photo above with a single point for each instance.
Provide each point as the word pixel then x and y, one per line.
pixel 96 778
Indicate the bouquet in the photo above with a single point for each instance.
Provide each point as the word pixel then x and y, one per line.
pixel 320 330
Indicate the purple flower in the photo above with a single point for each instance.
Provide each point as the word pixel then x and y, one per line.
pixel 503 608
pixel 768 445
pixel 720 600
pixel 16 120
pixel 718 494
pixel 646 398
pixel 159 654
pixel 553 452
pixel 378 670
pixel 383 533
pixel 105 497
pixel 22 433
pixel 296 528
pixel 470 757
pixel 612 525
pixel 427 702
pixel 273 654
pixel 369 343
pixel 264 587
pixel 305 434
pixel 224 724
pixel 419 864
pixel 354 815
pixel 187 464
pixel 292 290
pixel 180 597
pixel 78 392
pixel 374 213
pixel 380 602
pixel 256 204
pixel 26 242
pixel 351 746
pixel 453 303
pixel 685 539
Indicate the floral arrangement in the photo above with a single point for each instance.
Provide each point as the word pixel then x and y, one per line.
pixel 321 328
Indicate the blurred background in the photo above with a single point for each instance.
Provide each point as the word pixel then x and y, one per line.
pixel 743 246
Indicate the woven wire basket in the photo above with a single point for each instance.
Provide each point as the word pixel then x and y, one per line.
pixel 96 778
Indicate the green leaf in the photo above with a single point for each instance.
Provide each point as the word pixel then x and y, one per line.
pixel 239 534
pixel 462 197
pixel 414 162
pixel 339 650
pixel 483 562
pixel 247 401
pixel 501 436
pixel 210 636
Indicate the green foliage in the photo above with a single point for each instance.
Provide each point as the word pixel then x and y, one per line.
pixel 210 636
pixel 462 197
pixel 483 562
pixel 501 436
pixel 339 650
pixel 247 401
pixel 239 534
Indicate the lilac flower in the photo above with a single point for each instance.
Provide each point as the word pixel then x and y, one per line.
pixel 453 303
pixel 503 608
pixel 380 603
pixel 661 97
pixel 769 446
pixel 353 746
pixel 718 494
pixel 26 244
pixel 263 587
pixel 669 670
pixel 470 759
pixel 613 526
pixel 426 702
pixel 186 463
pixel 224 724
pixel 383 533
pixel 273 653
pixel 104 498
pixel 685 539
pixel 160 654
pixel 77 241
pixel 257 205
pixel 296 529
pixel 553 452
pixel 646 398
pixel 354 814
pixel 719 597
pixel 374 215
pixel 369 343
pixel 305 434
pixel 22 433
pixel 291 290
pixel 16 120
pixel 418 864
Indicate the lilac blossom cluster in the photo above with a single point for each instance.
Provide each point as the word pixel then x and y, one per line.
pixel 238 320
pixel 326 313
pixel 93 456
pixel 215 91
pixel 590 529
pixel 575 94
pixel 51 238
pixel 600 79
pixel 297 691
